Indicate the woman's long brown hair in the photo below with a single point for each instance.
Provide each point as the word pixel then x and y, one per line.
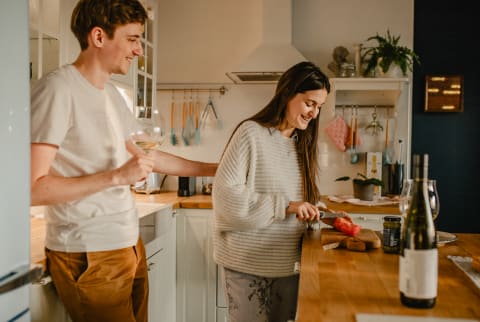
pixel 300 78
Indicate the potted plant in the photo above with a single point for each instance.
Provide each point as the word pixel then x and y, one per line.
pixel 387 54
pixel 363 187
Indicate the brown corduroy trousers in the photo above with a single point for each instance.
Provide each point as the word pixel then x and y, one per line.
pixel 102 286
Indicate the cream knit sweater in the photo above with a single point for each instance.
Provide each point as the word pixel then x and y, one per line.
pixel 257 177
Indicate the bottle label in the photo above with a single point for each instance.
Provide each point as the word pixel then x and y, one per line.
pixel 418 273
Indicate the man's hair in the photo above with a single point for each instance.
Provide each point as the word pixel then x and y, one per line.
pixel 106 14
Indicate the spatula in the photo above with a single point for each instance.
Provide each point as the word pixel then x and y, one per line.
pixel 184 115
pixel 173 137
pixel 197 129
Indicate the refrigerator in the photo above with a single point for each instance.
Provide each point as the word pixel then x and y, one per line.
pixel 16 273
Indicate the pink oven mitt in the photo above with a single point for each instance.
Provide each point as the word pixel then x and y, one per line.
pixel 337 131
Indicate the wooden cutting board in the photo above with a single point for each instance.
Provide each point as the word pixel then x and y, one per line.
pixel 366 239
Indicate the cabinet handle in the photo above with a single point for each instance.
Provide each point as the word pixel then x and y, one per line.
pixel 20 277
pixel 150 265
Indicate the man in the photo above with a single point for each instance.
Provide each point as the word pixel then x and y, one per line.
pixel 81 170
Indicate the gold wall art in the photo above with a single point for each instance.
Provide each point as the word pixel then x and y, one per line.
pixel 444 93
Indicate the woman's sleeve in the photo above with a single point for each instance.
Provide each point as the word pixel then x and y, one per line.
pixel 237 205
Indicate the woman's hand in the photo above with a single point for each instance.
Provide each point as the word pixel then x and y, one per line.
pixel 303 210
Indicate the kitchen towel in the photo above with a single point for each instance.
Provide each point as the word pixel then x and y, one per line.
pixel 465 264
pixel 381 201
pixel 337 131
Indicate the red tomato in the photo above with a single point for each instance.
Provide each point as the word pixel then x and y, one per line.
pixel 346 226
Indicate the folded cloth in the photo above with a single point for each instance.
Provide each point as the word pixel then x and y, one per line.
pixel 465 264
pixel 382 201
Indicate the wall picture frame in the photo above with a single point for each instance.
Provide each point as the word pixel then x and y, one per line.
pixel 444 93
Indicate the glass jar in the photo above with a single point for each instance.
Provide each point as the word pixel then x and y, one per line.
pixel 391 234
pixel 347 70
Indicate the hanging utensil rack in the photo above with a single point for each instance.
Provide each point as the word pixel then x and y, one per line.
pixel 222 89
pixel 364 105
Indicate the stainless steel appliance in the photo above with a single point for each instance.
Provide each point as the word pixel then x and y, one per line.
pixel 186 186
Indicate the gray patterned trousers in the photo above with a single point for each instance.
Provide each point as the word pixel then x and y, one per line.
pixel 253 298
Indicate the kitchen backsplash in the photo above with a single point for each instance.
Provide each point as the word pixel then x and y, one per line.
pixel 242 101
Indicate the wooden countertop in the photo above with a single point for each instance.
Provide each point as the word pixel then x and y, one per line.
pixel 37 224
pixel 336 284
pixel 199 201
pixel 354 209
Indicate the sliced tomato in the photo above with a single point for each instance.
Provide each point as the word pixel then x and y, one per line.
pixel 346 226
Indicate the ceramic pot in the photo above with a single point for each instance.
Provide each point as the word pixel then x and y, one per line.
pixel 363 191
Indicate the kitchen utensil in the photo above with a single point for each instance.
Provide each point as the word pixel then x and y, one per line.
pixel 184 116
pixel 190 127
pixel 374 126
pixel 210 108
pixel 173 137
pixel 197 129
pixel 353 134
pixel 386 153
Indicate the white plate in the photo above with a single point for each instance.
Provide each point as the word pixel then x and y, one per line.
pixel 445 238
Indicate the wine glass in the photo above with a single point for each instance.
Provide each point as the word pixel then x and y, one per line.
pixel 405 196
pixel 147 143
pixel 433 198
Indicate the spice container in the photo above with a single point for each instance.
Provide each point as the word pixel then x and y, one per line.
pixel 391 234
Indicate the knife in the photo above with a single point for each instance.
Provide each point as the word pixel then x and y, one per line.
pixel 327 217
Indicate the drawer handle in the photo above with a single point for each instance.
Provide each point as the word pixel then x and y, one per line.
pixel 150 265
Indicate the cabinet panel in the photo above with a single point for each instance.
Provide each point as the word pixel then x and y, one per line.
pixel 45 306
pixel 196 270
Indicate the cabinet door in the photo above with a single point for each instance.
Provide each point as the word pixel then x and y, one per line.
pixel 196 270
pixel 161 275
pixel 45 306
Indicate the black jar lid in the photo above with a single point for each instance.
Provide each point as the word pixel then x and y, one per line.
pixel 391 218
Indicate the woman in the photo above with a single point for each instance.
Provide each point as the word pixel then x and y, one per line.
pixel 264 190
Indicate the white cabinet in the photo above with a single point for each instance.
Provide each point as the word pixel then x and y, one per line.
pixel 44 37
pixel 196 270
pixel 158 231
pixel 142 75
pixel 45 306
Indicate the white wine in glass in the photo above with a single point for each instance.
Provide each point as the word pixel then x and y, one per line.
pixel 147 144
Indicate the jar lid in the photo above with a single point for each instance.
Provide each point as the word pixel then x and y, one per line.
pixel 391 218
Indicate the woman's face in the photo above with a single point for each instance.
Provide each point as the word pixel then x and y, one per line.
pixel 301 109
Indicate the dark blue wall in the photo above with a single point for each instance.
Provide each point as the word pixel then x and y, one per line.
pixel 446 37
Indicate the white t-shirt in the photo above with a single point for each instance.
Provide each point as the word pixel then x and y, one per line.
pixel 90 127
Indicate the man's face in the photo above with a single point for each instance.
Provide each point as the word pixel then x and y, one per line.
pixel 123 47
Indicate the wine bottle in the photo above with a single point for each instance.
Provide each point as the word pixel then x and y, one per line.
pixel 418 269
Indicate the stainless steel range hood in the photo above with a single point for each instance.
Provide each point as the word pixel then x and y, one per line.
pixel 267 62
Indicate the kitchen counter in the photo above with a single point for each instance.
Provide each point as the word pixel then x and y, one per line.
pixel 37 223
pixel 336 284
pixel 199 201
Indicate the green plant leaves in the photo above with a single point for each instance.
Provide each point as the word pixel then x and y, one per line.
pixel 362 180
pixel 388 52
